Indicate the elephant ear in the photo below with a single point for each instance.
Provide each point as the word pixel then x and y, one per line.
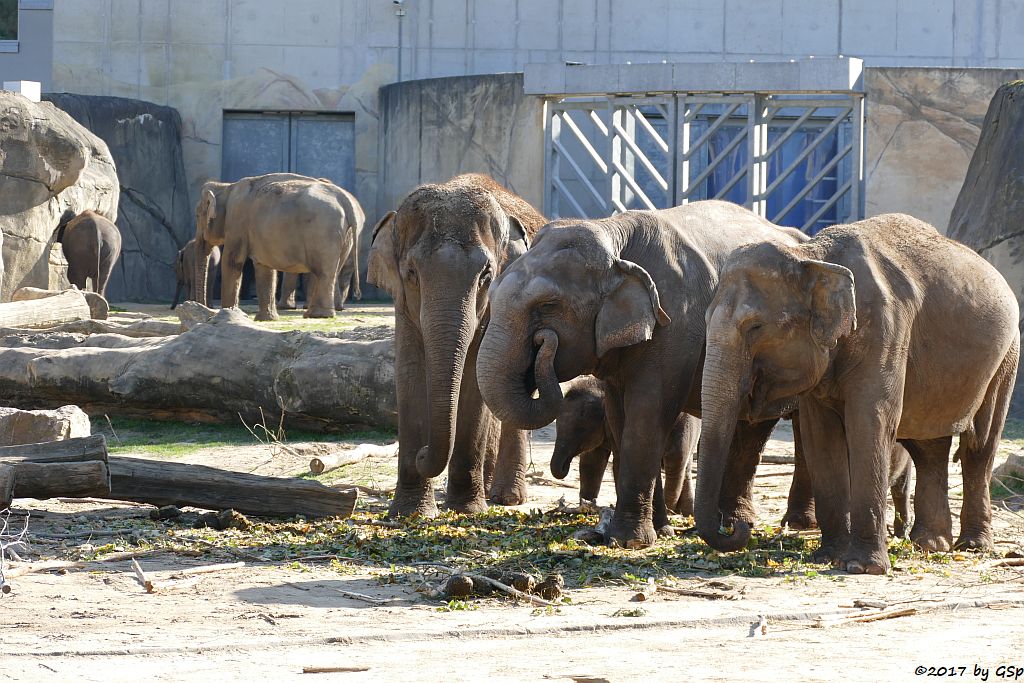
pixel 518 240
pixel 382 268
pixel 630 310
pixel 832 301
pixel 207 210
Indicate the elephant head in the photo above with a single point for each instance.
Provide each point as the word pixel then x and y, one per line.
pixel 581 423
pixel 436 256
pixel 210 219
pixel 555 314
pixel 771 328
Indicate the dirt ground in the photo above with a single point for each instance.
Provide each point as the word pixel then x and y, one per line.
pixel 268 620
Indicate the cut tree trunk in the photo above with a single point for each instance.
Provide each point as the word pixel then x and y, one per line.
pixel 6 486
pixel 98 307
pixel 65 307
pixel 70 479
pixel 174 483
pixel 215 371
pixel 135 328
pixel 81 449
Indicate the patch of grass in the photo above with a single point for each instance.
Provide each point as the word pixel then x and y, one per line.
pixel 1014 430
pixel 176 439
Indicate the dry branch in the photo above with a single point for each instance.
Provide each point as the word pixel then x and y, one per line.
pixel 332 461
pixel 333 669
pixel 208 569
pixel 144 580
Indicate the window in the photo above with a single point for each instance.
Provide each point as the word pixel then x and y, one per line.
pixel 8 19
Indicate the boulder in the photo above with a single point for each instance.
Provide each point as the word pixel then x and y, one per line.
pixel 989 212
pixel 36 426
pixel 155 214
pixel 48 164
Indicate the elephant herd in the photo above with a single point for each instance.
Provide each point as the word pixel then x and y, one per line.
pixel 882 340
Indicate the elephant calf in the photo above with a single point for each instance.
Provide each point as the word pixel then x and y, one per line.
pixel 583 429
pixel 185 271
pixel 92 245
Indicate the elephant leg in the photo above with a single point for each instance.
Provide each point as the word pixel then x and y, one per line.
pixel 593 464
pixel 681 442
pixel 977 454
pixel 899 488
pixel 230 277
pixel 266 283
pixel 320 294
pixel 800 508
pixel 933 523
pixel 475 430
pixel 509 484
pixel 414 494
pixel 824 440
pixel 289 288
pixel 177 294
pixel 736 499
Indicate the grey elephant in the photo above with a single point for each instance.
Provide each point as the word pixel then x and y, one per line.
pixel 92 245
pixel 436 256
pixel 621 298
pixel 185 271
pixel 880 331
pixel 583 429
pixel 347 283
pixel 281 221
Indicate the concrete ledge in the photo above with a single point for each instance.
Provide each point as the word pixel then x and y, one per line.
pixel 832 74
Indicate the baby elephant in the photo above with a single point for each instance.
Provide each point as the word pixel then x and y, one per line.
pixel 185 268
pixel 91 245
pixel 582 429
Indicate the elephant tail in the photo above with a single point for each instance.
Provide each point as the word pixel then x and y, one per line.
pixel 357 292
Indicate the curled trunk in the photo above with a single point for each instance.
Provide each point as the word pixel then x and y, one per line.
pixel 507 384
pixel 721 390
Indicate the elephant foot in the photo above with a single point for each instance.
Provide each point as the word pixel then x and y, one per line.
pixel 666 531
pixel 508 495
pixel 931 541
pixel 418 503
pixel 981 540
pixel 265 317
pixel 865 560
pixel 630 531
pixel 588 506
pixel 899 528
pixel 318 312
pixel 468 506
pixel 800 519
pixel 287 306
pixel 828 553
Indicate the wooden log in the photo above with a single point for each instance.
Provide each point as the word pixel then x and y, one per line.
pixel 65 307
pixel 82 449
pixel 6 486
pixel 216 371
pixel 98 307
pixel 332 461
pixel 135 328
pixel 174 483
pixel 47 480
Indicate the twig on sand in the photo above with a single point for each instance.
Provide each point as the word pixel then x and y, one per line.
pixel 514 592
pixel 333 669
pixel 141 576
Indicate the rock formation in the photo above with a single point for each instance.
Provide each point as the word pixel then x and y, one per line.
pixel 48 164
pixel 155 214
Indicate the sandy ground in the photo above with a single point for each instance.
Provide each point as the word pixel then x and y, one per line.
pixel 268 622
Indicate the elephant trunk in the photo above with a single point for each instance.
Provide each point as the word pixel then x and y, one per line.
pixel 202 249
pixel 448 330
pixel 722 388
pixel 507 384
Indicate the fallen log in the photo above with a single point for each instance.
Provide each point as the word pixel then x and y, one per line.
pixel 99 309
pixel 6 486
pixel 174 483
pixel 217 370
pixel 332 461
pixel 65 307
pixel 81 449
pixel 135 328
pixel 48 480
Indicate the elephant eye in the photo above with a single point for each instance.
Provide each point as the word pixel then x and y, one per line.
pixel 548 307
pixel 485 277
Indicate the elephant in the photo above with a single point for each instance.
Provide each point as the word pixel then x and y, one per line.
pixel 282 221
pixel 582 429
pixel 348 281
pixel 436 256
pixel 92 245
pixel 185 271
pixel 880 331
pixel 621 298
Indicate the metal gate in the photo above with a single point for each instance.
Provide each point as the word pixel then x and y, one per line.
pixel 795 159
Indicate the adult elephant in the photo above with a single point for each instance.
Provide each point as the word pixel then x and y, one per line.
pixel 623 299
pixel 92 245
pixel 281 221
pixel 185 271
pixel 878 331
pixel 436 256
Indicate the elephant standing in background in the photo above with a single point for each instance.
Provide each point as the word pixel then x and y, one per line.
pixel 185 271
pixel 282 221
pixel 622 298
pixel 582 428
pixel 436 256
pixel 92 245
pixel 880 331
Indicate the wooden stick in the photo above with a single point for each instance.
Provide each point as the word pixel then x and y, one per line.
pixel 1009 562
pixel 884 615
pixel 514 592
pixel 365 598
pixel 695 593
pixel 141 576
pixel 332 461
pixel 333 669
pixel 32 567
pixel 208 569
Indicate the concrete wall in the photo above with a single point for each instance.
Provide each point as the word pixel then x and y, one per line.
pixel 32 59
pixel 921 130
